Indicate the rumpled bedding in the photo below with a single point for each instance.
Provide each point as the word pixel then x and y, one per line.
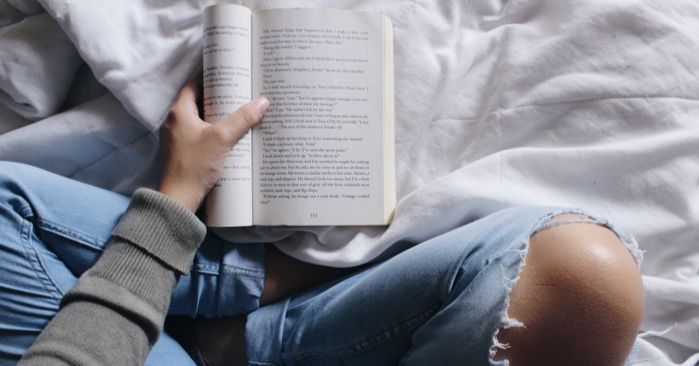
pixel 499 103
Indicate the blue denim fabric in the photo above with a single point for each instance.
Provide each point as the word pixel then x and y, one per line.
pixel 52 229
pixel 438 303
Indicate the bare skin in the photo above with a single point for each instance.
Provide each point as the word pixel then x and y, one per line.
pixel 222 341
pixel 580 297
pixel 194 152
pixel 580 294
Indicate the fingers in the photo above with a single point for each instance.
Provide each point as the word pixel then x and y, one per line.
pixel 237 124
pixel 185 105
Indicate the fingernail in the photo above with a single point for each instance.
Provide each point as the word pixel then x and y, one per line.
pixel 261 103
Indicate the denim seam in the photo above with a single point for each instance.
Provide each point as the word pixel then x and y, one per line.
pixel 242 271
pixel 454 271
pixel 211 269
pixel 71 233
pixel 37 264
pixel 388 334
pixel 628 241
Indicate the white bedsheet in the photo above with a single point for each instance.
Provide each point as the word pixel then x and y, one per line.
pixel 499 103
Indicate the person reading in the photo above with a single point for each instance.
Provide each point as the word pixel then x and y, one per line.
pixel 88 276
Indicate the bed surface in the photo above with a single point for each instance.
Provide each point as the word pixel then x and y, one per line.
pixel 534 102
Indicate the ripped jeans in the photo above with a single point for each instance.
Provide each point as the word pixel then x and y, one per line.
pixel 439 303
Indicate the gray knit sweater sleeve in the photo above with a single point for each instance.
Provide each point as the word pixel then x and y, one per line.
pixel 116 311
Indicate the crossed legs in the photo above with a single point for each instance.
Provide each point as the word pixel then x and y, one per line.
pixel 579 298
pixel 579 295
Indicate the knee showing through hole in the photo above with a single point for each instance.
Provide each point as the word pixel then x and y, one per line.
pixel 580 297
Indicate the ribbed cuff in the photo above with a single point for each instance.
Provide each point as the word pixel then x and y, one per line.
pixel 139 272
pixel 131 280
pixel 162 227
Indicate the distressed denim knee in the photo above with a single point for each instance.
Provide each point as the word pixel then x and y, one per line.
pixel 579 299
pixel 439 302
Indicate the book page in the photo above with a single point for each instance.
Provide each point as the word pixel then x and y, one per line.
pixel 227 86
pixel 318 153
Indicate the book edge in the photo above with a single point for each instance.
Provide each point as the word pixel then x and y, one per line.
pixel 389 168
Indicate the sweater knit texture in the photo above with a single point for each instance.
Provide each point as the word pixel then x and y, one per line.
pixel 116 311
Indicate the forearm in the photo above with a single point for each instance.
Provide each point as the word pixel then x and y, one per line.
pixel 115 312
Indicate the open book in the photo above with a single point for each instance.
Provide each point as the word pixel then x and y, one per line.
pixel 324 151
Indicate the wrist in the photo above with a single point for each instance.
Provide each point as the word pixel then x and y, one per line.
pixel 181 194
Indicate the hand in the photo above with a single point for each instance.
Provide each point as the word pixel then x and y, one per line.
pixel 194 150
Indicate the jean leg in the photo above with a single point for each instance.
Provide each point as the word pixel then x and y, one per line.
pixel 38 208
pixel 74 218
pixel 464 331
pixel 226 280
pixel 436 303
pixel 167 351
pixel 52 229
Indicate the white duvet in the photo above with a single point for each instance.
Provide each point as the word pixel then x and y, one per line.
pixel 592 104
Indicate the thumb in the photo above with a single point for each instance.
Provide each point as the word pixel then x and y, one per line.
pixel 237 124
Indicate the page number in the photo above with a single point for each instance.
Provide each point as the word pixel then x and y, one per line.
pixel 314 215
